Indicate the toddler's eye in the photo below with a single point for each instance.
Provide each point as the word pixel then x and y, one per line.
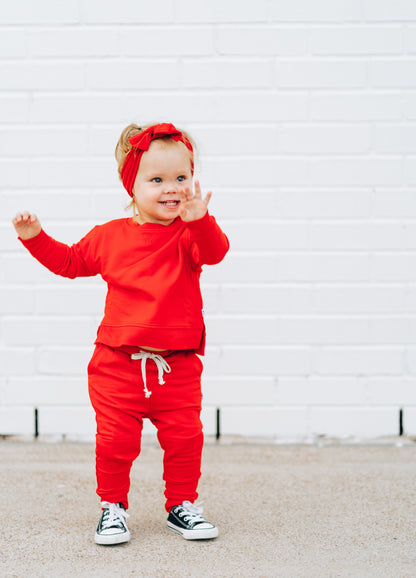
pixel 157 180
pixel 181 178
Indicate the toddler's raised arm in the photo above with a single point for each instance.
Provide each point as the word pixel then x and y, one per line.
pixel 59 258
pixel 209 243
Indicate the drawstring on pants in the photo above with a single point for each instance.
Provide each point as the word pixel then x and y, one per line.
pixel 161 364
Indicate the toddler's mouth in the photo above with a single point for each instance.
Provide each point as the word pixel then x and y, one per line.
pixel 169 203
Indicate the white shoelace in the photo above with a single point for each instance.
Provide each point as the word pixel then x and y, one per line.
pixel 115 515
pixel 192 512
pixel 161 364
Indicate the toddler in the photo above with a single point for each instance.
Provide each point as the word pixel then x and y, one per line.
pixel 145 363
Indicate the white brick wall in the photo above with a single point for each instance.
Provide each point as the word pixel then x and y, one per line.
pixel 305 116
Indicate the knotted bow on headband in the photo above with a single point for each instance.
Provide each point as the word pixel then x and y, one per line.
pixel 141 143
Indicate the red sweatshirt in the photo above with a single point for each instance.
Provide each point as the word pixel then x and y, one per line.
pixel 152 273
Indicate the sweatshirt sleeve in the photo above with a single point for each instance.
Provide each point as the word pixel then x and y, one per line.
pixel 78 260
pixel 209 243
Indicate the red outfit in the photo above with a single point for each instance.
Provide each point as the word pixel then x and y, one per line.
pixel 153 300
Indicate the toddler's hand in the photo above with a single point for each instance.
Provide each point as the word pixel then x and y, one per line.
pixel 193 206
pixel 26 225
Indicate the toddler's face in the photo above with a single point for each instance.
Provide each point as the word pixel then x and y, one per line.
pixel 164 170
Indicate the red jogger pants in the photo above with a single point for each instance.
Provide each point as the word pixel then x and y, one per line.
pixel 117 393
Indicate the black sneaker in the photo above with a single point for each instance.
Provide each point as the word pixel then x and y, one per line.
pixel 112 528
pixel 186 519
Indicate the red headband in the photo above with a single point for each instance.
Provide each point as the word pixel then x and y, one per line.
pixel 140 143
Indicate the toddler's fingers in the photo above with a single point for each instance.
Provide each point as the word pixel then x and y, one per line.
pixel 29 217
pixel 24 217
pixel 184 194
pixel 198 192
pixel 208 197
pixel 19 219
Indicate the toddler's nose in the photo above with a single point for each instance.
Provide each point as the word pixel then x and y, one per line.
pixel 171 189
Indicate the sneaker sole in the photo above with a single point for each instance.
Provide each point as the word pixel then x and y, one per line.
pixel 206 534
pixel 104 540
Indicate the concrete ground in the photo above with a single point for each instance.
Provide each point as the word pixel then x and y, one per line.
pixel 283 511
